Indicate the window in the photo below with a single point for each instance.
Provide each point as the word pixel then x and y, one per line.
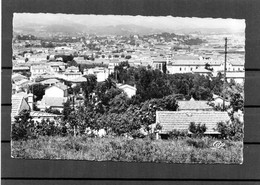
pixel 180 68
pixel 191 68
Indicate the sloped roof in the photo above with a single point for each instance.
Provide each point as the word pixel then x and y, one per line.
pixel 16 105
pixel 180 120
pixel 185 57
pixel 20 68
pixel 22 82
pixel 50 81
pixel 18 77
pixel 59 85
pixel 43 114
pixel 203 70
pixel 194 105
pixel 123 86
pixel 79 79
pixel 52 101
pixel 39 67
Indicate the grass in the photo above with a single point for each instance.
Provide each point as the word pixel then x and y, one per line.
pixel 122 149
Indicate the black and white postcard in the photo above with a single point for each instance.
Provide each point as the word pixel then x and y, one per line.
pixel 128 88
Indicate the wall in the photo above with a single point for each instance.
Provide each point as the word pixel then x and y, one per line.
pixel 54 92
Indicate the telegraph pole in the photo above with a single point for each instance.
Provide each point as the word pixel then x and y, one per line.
pixel 225 69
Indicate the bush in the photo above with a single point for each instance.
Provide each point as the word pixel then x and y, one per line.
pixel 47 128
pixel 178 134
pixel 197 143
pixel 197 129
pixel 232 131
pixel 137 134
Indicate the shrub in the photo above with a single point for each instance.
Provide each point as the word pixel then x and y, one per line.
pixel 137 134
pixel 47 128
pixel 197 143
pixel 178 134
pixel 197 129
pixel 233 131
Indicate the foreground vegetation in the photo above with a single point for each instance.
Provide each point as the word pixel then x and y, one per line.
pixel 185 150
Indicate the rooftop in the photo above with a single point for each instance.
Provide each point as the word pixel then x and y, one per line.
pixel 193 105
pixel 180 120
pixel 52 101
pixel 42 114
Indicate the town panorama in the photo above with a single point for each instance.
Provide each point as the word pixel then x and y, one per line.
pixel 118 88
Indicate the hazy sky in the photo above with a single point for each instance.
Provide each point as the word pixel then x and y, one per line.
pixel 148 21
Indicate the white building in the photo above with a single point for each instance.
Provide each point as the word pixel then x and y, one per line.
pixel 100 72
pixel 56 90
pixel 128 89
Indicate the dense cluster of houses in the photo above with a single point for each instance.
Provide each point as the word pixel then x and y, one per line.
pixel 48 64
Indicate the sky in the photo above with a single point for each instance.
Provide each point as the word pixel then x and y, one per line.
pixel 113 20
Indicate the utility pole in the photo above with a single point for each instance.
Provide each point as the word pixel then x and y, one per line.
pixel 225 69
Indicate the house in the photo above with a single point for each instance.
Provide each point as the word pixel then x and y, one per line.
pixel 56 66
pixel 39 116
pixel 71 75
pixel 16 77
pixel 78 80
pixel 237 76
pixel 193 105
pixel 57 90
pixel 19 103
pixel 202 71
pixel 50 82
pixel 160 64
pixel 51 102
pixel 55 96
pixel 180 120
pixel 100 72
pixel 19 69
pixel 218 101
pixel 128 89
pixel 38 70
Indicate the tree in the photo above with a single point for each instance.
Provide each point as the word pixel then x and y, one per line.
pixel 66 110
pixel 118 104
pixel 72 63
pixel 38 90
pixel 89 86
pixel 22 126
pixel 237 102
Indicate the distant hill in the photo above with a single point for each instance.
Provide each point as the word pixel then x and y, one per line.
pixel 98 30
pixel 123 29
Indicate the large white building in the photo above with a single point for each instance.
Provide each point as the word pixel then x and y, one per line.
pixel 100 72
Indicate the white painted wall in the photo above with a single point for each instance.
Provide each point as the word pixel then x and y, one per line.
pixel 54 92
